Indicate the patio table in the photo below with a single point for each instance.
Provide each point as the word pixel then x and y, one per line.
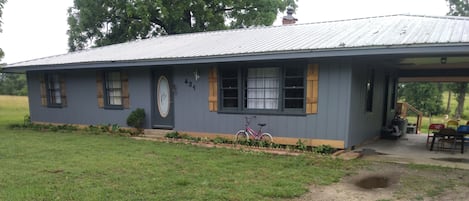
pixel 456 136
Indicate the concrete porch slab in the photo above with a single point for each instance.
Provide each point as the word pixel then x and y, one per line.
pixel 411 148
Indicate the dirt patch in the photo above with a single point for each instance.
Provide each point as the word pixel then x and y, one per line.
pixel 373 182
pixel 390 181
pixel 365 185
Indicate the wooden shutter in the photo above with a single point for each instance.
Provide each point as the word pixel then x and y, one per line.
pixel 99 88
pixel 42 80
pixel 212 90
pixel 312 76
pixel 125 90
pixel 63 95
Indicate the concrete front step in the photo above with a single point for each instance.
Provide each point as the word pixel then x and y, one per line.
pixel 155 133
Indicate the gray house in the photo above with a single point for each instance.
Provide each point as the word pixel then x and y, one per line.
pixel 325 83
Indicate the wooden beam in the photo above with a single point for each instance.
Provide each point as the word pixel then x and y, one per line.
pixel 339 144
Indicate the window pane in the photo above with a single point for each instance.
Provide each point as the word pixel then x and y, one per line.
pixel 230 83
pixel 293 103
pixel 58 99
pixel 113 88
pixel 294 93
pixel 229 88
pixel 230 93
pixel 262 88
pixel 53 89
pixel 294 82
pixel 294 88
pixel 369 90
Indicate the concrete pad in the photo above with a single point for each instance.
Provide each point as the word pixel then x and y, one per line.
pixel 411 148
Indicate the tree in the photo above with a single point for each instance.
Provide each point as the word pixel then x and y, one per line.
pixel 460 90
pixel 426 97
pixel 13 84
pixel 2 2
pixel 104 22
pixel 459 8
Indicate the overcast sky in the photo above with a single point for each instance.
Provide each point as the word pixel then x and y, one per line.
pixel 34 29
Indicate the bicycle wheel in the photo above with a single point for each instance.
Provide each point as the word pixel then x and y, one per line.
pixel 241 137
pixel 266 138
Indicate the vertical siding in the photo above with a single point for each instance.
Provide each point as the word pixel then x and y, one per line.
pixel 82 107
pixel 192 113
pixel 191 105
pixel 366 125
pixel 34 96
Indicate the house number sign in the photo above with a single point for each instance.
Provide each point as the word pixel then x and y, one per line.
pixel 163 97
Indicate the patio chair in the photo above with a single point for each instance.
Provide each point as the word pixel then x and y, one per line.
pixel 452 124
pixel 464 129
pixel 443 142
pixel 431 130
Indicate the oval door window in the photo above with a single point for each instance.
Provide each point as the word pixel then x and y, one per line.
pixel 163 96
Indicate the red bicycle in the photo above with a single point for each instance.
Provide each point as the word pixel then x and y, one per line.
pixel 249 133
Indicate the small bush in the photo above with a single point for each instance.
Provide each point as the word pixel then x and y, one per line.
pixel 300 145
pixel 174 135
pixel 136 119
pixel 323 149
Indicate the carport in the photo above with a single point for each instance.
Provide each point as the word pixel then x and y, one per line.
pixel 411 148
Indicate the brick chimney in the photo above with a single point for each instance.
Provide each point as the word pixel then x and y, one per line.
pixel 289 19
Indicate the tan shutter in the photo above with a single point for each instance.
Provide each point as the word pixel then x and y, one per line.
pixel 62 91
pixel 125 90
pixel 99 88
pixel 43 90
pixel 212 90
pixel 312 76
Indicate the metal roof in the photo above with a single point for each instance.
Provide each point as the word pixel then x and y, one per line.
pixel 393 34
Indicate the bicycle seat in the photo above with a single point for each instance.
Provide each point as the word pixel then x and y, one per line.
pixel 261 124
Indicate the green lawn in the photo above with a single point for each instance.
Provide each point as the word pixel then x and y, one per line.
pixel 13 109
pixel 76 166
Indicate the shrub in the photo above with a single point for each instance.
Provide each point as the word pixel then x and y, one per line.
pixel 174 135
pixel 323 149
pixel 136 119
pixel 300 145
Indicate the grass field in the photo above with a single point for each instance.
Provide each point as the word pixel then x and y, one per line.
pixel 72 165
pixel 13 109
pixel 76 166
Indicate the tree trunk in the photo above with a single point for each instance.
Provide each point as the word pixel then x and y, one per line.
pixel 449 103
pixel 461 95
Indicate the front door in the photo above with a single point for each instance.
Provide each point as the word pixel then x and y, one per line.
pixel 163 104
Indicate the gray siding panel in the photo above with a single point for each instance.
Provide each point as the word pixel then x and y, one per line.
pixel 34 95
pixel 140 92
pixel 191 108
pixel 366 125
pixel 191 105
pixel 82 107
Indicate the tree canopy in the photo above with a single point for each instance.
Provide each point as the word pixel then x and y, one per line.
pixel 104 22
pixel 2 3
pixel 458 7
pixel 426 97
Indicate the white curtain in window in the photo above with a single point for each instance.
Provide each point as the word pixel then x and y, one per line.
pixel 54 89
pixel 114 88
pixel 58 98
pixel 263 88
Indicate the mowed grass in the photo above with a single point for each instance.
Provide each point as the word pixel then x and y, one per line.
pixel 13 109
pixel 77 166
